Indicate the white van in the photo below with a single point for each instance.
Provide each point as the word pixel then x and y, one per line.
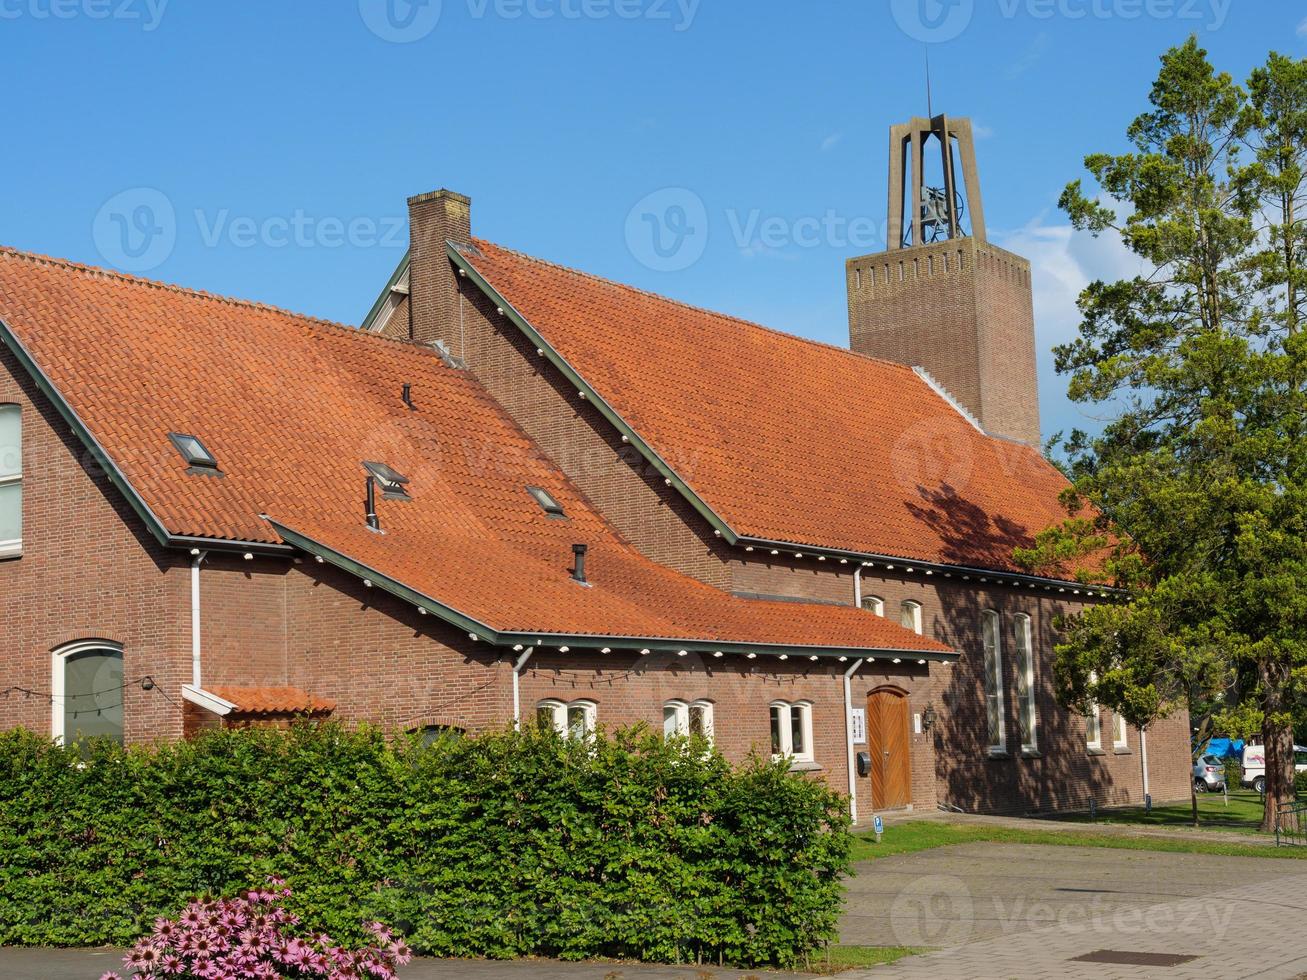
pixel 1254 765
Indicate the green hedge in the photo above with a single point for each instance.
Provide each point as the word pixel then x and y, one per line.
pixel 503 845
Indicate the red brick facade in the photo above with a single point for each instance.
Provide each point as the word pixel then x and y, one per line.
pixel 91 570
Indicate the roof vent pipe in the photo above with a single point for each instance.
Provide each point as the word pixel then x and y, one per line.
pixel 370 504
pixel 578 561
pixel 408 396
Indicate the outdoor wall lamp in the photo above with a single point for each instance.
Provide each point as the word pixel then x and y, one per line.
pixel 928 718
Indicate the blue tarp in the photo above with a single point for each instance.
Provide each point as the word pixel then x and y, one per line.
pixel 1225 748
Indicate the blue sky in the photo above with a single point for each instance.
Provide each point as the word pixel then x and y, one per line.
pixel 274 142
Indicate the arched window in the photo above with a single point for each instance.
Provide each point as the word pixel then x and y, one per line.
pixel 693 719
pixel 791 730
pixel 429 735
pixel 991 635
pixel 1093 723
pixel 11 480
pixel 910 615
pixel 86 686
pixel 1027 716
pixel 874 604
pixel 575 719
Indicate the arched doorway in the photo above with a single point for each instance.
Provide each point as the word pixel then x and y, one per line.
pixel 890 748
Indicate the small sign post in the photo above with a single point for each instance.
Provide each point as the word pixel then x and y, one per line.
pixel 878 826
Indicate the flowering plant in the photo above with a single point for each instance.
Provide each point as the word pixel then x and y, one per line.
pixel 250 938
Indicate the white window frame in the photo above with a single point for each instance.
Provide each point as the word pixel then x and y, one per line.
pixel 874 604
pixel 1027 711
pixel 991 637
pixel 680 718
pixel 1120 731
pixel 10 549
pixel 59 686
pixel 709 718
pixel 1094 723
pixel 786 711
pixel 561 711
pixel 913 607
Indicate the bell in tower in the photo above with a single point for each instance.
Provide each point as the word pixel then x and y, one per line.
pixel 925 156
pixel 940 297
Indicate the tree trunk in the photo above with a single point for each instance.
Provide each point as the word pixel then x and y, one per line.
pixel 1277 733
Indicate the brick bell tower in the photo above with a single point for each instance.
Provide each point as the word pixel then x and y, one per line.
pixel 941 297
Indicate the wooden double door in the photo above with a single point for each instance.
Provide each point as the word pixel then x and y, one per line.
pixel 889 746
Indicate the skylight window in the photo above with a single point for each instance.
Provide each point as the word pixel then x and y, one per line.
pixel 546 501
pixel 193 451
pixel 392 484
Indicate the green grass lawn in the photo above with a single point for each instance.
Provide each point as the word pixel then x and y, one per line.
pixel 1244 813
pixel 858 957
pixel 922 835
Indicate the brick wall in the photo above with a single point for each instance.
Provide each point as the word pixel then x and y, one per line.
pixel 89 570
pixel 962 309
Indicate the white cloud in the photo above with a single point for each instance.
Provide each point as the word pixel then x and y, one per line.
pixel 981 132
pixel 831 141
pixel 1063 262
pixel 1030 57
pixel 1302 28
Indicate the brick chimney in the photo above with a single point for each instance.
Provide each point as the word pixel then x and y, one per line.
pixel 433 219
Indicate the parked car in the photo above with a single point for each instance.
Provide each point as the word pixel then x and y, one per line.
pixel 1209 774
pixel 1254 765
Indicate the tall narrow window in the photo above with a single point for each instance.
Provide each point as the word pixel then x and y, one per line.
pixel 991 634
pixel 701 719
pixel 874 604
pixel 676 719
pixel 791 730
pixel 87 693
pixel 1026 711
pixel 1093 723
pixel 11 480
pixel 910 615
pixel 1119 732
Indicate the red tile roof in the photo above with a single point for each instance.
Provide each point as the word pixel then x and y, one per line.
pixel 273 700
pixel 291 406
pixel 786 439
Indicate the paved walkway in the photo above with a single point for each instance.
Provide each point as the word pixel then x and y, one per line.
pixel 1023 910
pixel 88 964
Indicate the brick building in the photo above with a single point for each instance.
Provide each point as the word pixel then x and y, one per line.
pixel 525 493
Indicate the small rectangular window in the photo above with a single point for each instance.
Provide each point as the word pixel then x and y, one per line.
pixel 392 484
pixel 546 501
pixel 193 451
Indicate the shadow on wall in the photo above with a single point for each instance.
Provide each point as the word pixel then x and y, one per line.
pixel 1060 774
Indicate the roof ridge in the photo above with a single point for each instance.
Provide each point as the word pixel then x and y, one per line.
pixel 8 251
pixel 697 309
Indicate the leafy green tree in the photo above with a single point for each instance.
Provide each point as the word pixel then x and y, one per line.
pixel 1194 497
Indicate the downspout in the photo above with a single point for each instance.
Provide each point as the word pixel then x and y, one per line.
pixel 517 697
pixel 197 557
pixel 1143 758
pixel 848 738
pixel 857 587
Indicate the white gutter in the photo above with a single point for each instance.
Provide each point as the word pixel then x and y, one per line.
pixel 207 700
pixel 517 697
pixel 857 587
pixel 848 738
pixel 197 557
